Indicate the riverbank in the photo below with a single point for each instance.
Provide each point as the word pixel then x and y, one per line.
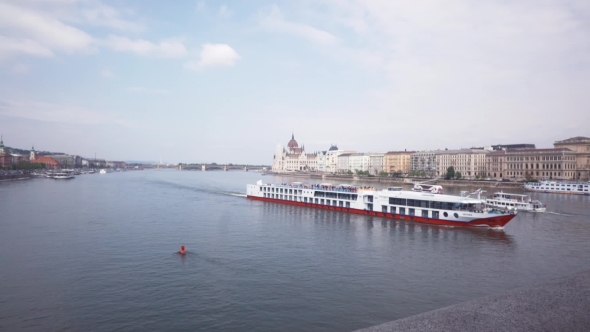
pixel 15 177
pixel 407 181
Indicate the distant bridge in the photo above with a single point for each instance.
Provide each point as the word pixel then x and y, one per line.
pixel 220 167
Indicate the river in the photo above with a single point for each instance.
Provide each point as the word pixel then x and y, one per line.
pixel 98 253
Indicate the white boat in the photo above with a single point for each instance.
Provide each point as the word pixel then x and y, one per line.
pixel 428 188
pixel 576 188
pixel 62 176
pixel 438 209
pixel 103 171
pixel 515 202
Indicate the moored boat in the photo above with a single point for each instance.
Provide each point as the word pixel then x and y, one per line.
pixel 557 187
pixel 62 176
pixel 515 202
pixel 394 202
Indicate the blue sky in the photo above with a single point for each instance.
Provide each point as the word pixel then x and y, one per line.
pixel 224 81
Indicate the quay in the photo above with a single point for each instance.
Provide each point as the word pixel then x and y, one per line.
pixel 13 177
pixel 561 304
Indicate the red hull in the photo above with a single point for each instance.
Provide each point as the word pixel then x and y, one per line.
pixel 498 221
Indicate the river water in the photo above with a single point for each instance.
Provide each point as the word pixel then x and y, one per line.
pixel 97 253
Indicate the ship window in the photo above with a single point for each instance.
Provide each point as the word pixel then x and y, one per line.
pixel 412 212
pixel 402 211
pixel 425 213
pixel 327 202
pixel 411 202
pixel 348 204
pixel 435 214
pixel 384 208
pixel 316 200
pixel 456 215
pixel 424 204
pixel 436 205
pixel 445 214
pixel 305 199
pixel 340 203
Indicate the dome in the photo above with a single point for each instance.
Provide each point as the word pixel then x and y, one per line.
pixel 333 148
pixel 293 142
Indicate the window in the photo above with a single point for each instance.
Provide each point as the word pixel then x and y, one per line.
pixel 347 204
pixel 456 215
pixel 412 212
pixel 445 214
pixel 411 202
pixel 435 214
pixel 392 209
pixel 425 213
pixel 402 211
pixel 384 208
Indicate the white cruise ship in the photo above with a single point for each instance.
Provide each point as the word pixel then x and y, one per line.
pixel 576 188
pixel 438 209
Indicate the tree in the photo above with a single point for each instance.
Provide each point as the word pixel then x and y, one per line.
pixel 458 175
pixel 450 173
pixel 383 174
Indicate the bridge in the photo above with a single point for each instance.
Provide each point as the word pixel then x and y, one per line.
pixel 221 167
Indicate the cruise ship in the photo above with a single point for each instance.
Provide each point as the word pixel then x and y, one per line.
pixel 576 188
pixel 395 203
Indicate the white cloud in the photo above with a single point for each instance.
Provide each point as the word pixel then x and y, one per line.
pixel 43 30
pixel 100 14
pixel 146 90
pixel 276 22
pixel 214 55
pixel 107 73
pixel 224 12
pixel 10 47
pixel 164 49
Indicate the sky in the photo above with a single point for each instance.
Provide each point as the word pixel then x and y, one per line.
pixel 225 81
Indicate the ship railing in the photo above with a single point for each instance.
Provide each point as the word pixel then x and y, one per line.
pixel 323 188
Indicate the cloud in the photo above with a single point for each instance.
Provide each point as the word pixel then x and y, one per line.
pixel 43 31
pixel 276 22
pixel 214 55
pixel 10 47
pixel 146 90
pixel 44 28
pixel 107 73
pixel 99 14
pixel 224 12
pixel 48 112
pixel 163 49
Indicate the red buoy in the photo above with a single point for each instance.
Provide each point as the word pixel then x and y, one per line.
pixel 182 251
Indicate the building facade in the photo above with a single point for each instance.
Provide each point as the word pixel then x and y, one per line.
pixel 397 161
pixel 376 163
pixel 581 148
pixel 343 163
pixel 470 163
pixel 359 162
pixel 424 161
pixel 293 158
pixel 529 164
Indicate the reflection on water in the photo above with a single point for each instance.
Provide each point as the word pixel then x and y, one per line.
pixel 250 265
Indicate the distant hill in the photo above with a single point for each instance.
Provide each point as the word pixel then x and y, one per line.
pixel 27 152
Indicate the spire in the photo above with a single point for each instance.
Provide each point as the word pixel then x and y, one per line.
pixel 292 135
pixel 33 147
pixel 1 142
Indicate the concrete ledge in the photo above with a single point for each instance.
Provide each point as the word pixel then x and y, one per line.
pixel 560 305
